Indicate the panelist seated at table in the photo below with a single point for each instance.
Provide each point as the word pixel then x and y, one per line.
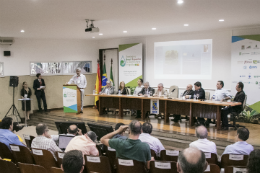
pixel 139 86
pixel 199 93
pixel 122 89
pixel 146 89
pixel 108 89
pixel 160 91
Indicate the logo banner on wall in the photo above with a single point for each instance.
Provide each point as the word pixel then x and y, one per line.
pixel 70 99
pixel 130 63
pixel 245 67
pixel 154 106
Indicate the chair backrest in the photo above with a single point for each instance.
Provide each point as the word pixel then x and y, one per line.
pixel 5 152
pixel 22 154
pixel 174 94
pixel 6 167
pixel 44 158
pixel 28 140
pixel 153 154
pixel 169 155
pixel 207 95
pixel 213 168
pixel 231 169
pixel 128 91
pixel 244 103
pixel 59 156
pixel 211 158
pixel 163 167
pixel 30 168
pixel 111 154
pixel 97 164
pixel 130 166
pixel 233 160
pixel 56 170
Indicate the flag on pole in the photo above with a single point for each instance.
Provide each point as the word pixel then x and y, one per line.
pixel 111 74
pixel 98 83
pixel 104 74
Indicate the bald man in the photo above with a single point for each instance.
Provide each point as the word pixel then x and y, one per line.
pixel 191 160
pixel 203 143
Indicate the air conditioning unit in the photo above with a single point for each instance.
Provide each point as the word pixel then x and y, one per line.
pixel 6 40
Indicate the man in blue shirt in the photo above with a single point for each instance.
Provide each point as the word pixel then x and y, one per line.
pixel 119 135
pixel 6 135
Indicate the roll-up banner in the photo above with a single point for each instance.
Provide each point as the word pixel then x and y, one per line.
pixel 70 99
pixel 130 63
pixel 245 67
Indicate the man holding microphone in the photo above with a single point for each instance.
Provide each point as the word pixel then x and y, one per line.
pixel 81 81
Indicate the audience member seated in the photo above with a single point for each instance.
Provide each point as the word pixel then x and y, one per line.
pixel 154 143
pixel 203 143
pixel 121 135
pixel 240 97
pixel 254 162
pixel 122 89
pixel 6 133
pixel 85 143
pixel 160 91
pixel 241 146
pixel 191 160
pixel 44 140
pixel 131 148
pixel 73 130
pixel 73 162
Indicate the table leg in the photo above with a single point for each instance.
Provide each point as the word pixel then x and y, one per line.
pixel 142 109
pixel 120 108
pixel 100 107
pixel 191 117
pixel 218 118
pixel 166 115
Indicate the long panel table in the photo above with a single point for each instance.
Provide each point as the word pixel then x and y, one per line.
pixel 193 108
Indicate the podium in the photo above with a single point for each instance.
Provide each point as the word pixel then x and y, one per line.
pixel 71 99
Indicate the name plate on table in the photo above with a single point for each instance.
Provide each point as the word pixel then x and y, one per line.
pixel 27 137
pixel 37 152
pixel 93 159
pixel 126 162
pixel 240 170
pixel 208 169
pixel 15 148
pixel 236 157
pixel 161 165
pixel 110 149
pixel 61 155
pixel 207 155
pixel 172 153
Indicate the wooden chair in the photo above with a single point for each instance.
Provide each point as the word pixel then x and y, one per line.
pixel 163 167
pixel 169 155
pixel 233 160
pixel 5 152
pixel 56 170
pixel 22 154
pixel 6 167
pixel 207 95
pixel 97 164
pixel 59 156
pixel 44 158
pixel 230 169
pixel 130 166
pixel 30 168
pixel 213 168
pixel 211 158
pixel 28 140
pixel 111 154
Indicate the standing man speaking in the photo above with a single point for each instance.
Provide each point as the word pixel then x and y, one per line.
pixel 81 81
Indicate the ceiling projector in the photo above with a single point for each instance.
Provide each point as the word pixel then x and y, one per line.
pixel 91 28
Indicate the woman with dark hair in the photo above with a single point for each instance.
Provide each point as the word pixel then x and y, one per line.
pixel 26 92
pixel 254 162
pixel 122 89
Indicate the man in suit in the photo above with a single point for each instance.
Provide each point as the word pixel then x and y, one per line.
pixel 146 89
pixel 160 90
pixel 39 87
pixel 199 93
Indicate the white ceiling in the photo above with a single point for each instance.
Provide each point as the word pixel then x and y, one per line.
pixel 66 18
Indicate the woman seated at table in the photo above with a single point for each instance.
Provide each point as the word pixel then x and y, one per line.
pixel 26 92
pixel 122 89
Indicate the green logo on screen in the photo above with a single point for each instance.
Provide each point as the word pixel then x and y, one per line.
pixel 122 61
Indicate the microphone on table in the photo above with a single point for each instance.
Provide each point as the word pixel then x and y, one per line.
pixel 173 90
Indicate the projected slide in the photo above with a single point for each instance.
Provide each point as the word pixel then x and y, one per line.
pixel 189 59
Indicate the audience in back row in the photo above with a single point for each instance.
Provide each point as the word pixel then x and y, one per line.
pixel 120 135
pixel 253 165
pixel 73 162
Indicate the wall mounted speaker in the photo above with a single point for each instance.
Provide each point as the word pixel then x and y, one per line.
pixel 7 53
pixel 14 80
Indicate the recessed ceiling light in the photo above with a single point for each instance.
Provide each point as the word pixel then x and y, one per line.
pixel 221 20
pixel 153 28
pixel 22 30
pixel 180 1
pixel 100 34
pixel 124 31
pixel 93 37
pixel 186 24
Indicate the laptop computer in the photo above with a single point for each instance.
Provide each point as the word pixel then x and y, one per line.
pixel 64 140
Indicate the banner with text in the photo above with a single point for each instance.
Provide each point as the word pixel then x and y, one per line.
pixel 70 99
pixel 130 63
pixel 245 67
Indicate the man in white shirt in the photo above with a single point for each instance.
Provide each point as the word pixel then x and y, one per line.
pixel 160 90
pixel 241 146
pixel 154 143
pixel 139 86
pixel 203 143
pixel 81 81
